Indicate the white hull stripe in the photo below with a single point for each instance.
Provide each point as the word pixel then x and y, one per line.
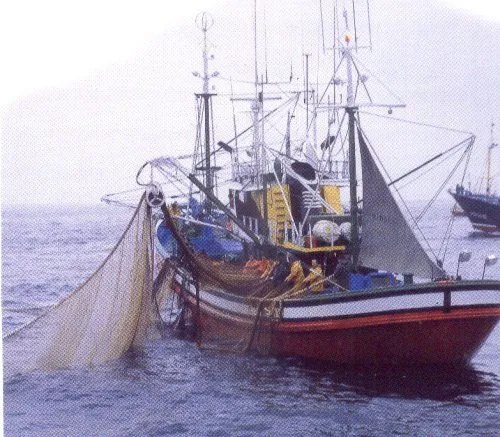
pixel 219 302
pixel 228 305
pixel 393 303
pixel 396 303
pixel 477 297
pixel 411 302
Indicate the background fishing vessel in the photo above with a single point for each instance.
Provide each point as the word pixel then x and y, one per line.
pixel 481 208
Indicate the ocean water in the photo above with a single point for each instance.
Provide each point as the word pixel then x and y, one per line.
pixel 170 387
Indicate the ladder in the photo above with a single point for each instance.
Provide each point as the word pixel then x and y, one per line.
pixel 279 217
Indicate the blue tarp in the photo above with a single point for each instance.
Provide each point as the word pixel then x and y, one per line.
pixel 213 242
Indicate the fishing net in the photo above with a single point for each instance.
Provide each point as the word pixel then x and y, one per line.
pixel 100 320
pixel 229 306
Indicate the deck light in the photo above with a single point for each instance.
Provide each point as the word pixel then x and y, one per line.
pixel 489 261
pixel 463 257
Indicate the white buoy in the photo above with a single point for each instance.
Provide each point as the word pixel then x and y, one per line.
pixel 326 231
pixel 345 229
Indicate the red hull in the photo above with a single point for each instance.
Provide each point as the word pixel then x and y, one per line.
pixel 429 337
pixel 421 338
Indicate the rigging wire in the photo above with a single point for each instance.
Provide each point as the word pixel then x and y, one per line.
pixel 452 172
pixel 335 31
pixel 467 161
pixel 417 123
pixel 354 22
pixel 392 93
pixel 467 152
pixel 445 155
pixel 446 238
pixel 198 152
pixel 265 42
pixel 429 204
pixel 234 119
pixel 469 141
pixel 356 89
pixel 247 82
pixel 260 120
pixel 322 25
pixel 332 80
pixel 174 181
pixel 364 84
pixel 337 135
pixel 369 23
pixel 214 173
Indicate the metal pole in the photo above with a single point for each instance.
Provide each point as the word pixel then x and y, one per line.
pixel 208 168
pixel 265 208
pixel 353 189
pixel 351 109
pixel 307 91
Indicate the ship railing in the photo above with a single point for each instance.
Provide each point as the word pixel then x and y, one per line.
pixel 337 170
pixel 311 200
pixel 244 172
pixel 282 235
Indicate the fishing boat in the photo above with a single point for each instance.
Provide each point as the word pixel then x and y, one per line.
pixel 285 267
pixel 481 208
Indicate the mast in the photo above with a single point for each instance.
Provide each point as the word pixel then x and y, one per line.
pixel 288 151
pixel 488 161
pixel 204 21
pixel 306 55
pixel 351 108
pixel 351 111
pixel 257 110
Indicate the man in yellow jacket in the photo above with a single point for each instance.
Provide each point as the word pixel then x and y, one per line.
pixel 315 278
pixel 296 276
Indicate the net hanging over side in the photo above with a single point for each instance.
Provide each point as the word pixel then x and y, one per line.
pixel 100 320
pixel 231 307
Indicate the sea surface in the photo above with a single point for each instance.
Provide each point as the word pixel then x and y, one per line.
pixel 170 387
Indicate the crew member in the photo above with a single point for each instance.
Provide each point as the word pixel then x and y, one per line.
pixel 269 269
pixel 175 209
pixel 315 278
pixel 281 271
pixel 343 270
pixel 296 277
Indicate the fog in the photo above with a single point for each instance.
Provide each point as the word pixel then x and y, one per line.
pixel 100 91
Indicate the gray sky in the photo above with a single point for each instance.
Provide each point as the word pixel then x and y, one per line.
pixel 91 90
